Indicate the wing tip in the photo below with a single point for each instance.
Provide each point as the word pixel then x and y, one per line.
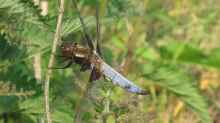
pixel 135 89
pixel 142 92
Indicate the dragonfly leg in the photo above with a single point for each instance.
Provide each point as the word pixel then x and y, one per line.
pixel 57 55
pixel 64 67
pixel 84 67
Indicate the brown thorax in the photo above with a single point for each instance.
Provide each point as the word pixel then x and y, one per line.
pixel 81 55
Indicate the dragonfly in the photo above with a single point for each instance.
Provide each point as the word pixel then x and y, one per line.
pixel 90 58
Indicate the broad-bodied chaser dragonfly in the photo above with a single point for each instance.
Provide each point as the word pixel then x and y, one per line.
pixel 90 58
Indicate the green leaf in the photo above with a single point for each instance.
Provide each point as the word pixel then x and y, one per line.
pixel 176 81
pixel 118 43
pixel 63 114
pixel 214 58
pixel 6 104
pixel 33 105
pixel 184 53
pixel 71 25
pixel 22 23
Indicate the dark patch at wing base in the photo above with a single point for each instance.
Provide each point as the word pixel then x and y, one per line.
pixel 95 75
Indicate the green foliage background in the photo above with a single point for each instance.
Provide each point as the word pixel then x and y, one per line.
pixel 163 46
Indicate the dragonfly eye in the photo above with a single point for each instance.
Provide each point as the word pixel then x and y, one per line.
pixel 75 44
pixel 66 48
pixel 62 46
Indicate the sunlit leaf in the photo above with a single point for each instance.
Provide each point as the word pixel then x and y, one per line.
pixel 178 82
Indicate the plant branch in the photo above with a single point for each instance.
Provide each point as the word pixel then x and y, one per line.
pixel 51 61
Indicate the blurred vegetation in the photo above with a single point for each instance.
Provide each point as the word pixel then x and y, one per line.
pixel 170 48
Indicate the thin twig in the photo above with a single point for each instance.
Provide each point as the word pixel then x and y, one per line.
pixel 51 61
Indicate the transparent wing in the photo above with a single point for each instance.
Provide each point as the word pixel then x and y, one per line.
pixel 98 29
pixel 88 39
pixel 120 80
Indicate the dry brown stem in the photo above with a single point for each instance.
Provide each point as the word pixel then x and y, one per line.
pixel 51 61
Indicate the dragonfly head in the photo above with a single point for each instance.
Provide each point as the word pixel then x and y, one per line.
pixel 67 48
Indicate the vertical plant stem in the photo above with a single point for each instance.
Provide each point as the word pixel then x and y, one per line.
pixel 106 112
pixel 44 7
pixel 37 56
pixel 36 2
pixel 51 61
pixel 37 67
